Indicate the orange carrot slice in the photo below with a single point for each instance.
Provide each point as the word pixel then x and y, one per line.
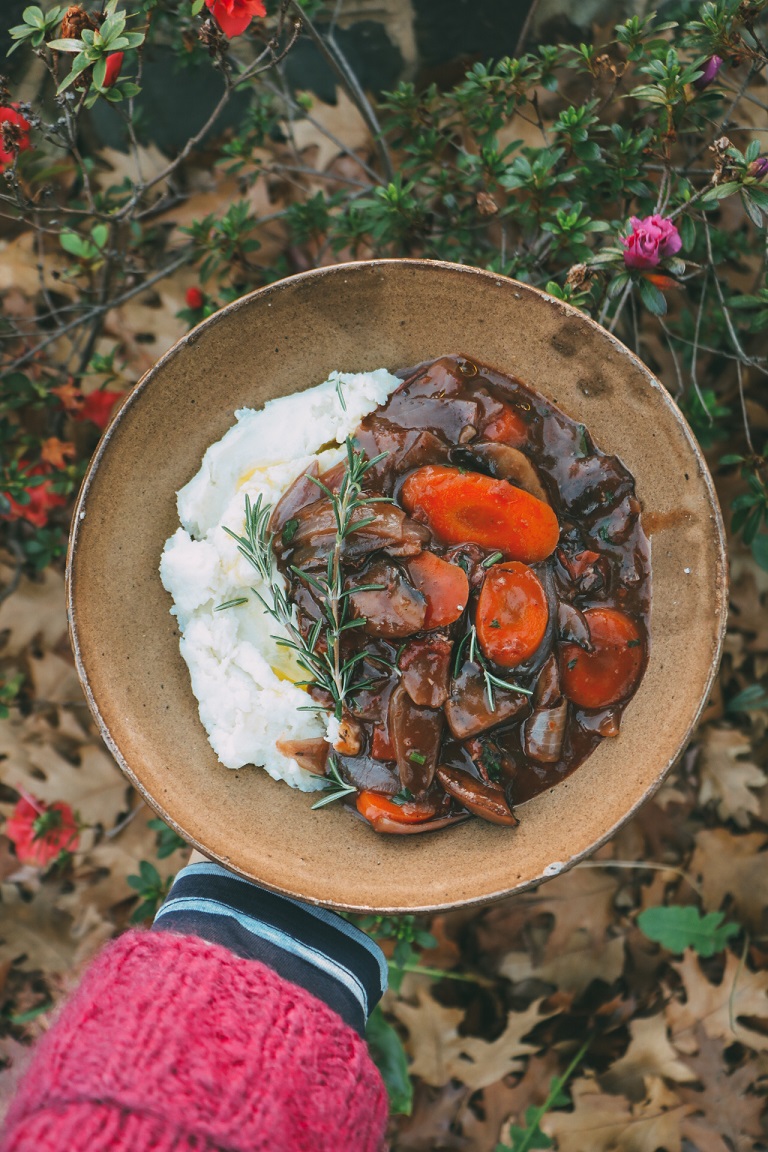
pixel 512 614
pixel 373 806
pixel 610 672
pixel 444 586
pixel 467 507
pixel 508 428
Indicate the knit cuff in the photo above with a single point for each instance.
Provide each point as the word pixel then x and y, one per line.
pixel 309 946
pixel 174 1043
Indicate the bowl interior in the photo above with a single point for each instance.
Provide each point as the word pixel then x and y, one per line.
pixel 286 338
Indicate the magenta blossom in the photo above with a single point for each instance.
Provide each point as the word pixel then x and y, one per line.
pixel 709 72
pixel 758 168
pixel 650 241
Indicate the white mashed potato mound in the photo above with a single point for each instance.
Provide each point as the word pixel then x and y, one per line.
pixel 242 679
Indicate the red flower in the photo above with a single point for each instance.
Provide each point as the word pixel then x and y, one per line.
pixel 114 64
pixel 234 16
pixel 97 408
pixel 14 134
pixel 41 831
pixel 194 298
pixel 650 241
pixel 41 499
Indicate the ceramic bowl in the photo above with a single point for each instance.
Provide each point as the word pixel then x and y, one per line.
pixel 287 337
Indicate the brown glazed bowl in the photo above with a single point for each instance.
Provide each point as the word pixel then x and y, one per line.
pixel 289 336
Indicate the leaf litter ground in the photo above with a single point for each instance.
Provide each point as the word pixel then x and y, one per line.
pixel 676 1042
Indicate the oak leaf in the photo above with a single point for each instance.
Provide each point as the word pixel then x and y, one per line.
pixel 726 779
pixel 649 1054
pixel 440 1054
pixel 603 1123
pixel 720 1008
pixel 736 866
pixel 36 609
pixel 727 1114
pixel 333 125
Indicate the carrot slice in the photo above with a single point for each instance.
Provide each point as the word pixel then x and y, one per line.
pixel 373 806
pixel 610 672
pixel 467 507
pixel 507 427
pixel 444 586
pixel 512 614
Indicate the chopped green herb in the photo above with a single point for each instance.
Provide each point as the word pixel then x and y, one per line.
pixel 289 530
pixel 572 663
pixel 492 559
pixel 633 643
pixel 340 394
pixel 417 757
pixel 603 533
pixel 404 796
pixel 491 763
pixel 231 603
pixel 495 624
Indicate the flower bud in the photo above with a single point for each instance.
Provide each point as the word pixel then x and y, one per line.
pixel 194 298
pixel 758 168
pixel 114 64
pixel 709 72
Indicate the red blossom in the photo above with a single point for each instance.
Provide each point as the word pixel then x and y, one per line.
pixel 14 134
pixel 97 407
pixel 39 831
pixel 41 499
pixel 650 241
pixel 234 16
pixel 195 298
pixel 114 64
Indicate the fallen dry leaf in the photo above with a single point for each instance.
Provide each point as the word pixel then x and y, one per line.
pixel 649 1054
pixel 727 1114
pixel 36 609
pixel 727 778
pixel 720 1008
pixel 440 1054
pixel 334 125
pixel 728 865
pixel 603 1123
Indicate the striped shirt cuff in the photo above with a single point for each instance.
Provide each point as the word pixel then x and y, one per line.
pixel 309 946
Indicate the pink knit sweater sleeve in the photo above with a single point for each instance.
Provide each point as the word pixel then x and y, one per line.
pixel 174 1044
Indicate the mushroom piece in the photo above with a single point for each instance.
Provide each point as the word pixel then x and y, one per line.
pixel 415 734
pixel 505 463
pixel 487 801
pixel 311 755
pixel 349 737
pixel 397 828
pixel 426 669
pixel 467 709
pixel 390 606
pixel 543 733
pixel 299 495
pixel 572 625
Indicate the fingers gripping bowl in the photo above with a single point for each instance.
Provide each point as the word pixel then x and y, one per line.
pixel 285 339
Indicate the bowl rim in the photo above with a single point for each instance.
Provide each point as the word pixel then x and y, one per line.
pixel 720 574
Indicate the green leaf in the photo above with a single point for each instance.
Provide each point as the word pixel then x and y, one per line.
pixel 68 45
pixel 687 230
pixel 652 298
pixel 752 209
pixel 74 244
pixel 197 7
pixel 388 1055
pixel 677 927
pixel 100 235
pixel 760 549
pixel 33 16
pixel 722 191
pixel 750 699
pixel 753 151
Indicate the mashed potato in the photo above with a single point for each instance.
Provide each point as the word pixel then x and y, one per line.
pixel 242 679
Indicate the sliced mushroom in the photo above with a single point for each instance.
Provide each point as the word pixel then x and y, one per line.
pixel 547 691
pixel 606 723
pixel 349 740
pixel 392 608
pixel 572 625
pixel 415 734
pixel 396 828
pixel 468 710
pixel 595 484
pixel 311 755
pixel 426 668
pixel 543 733
pixel 485 800
pixel 505 463
pixel 432 413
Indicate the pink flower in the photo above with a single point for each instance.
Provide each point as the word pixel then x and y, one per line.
pixel 650 241
pixel 114 64
pixel 39 832
pixel 758 168
pixel 14 134
pixel 709 72
pixel 234 16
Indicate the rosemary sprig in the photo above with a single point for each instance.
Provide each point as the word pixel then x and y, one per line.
pixel 491 679
pixel 336 786
pixel 326 668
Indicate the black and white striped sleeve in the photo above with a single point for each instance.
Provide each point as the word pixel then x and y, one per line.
pixel 309 946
